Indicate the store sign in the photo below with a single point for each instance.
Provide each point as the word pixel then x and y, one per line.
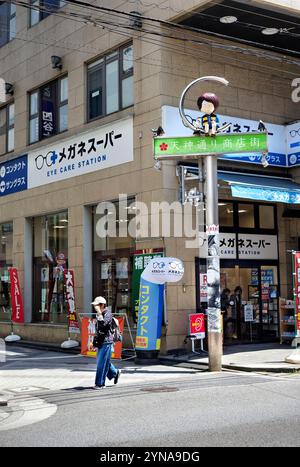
pixel 293 144
pixel 196 325
pixel 257 246
pixel 140 262
pixel 13 176
pixel 16 297
pixel 160 271
pixel 249 246
pixel 220 144
pixel 277 134
pixel 149 316
pixel 266 194
pixel 151 299
pixel 297 290
pixel 98 149
pixel 70 298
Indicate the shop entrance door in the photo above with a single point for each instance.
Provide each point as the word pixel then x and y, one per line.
pixel 249 302
pixel 112 279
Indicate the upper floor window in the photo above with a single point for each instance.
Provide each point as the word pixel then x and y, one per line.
pixel 40 9
pixel 110 83
pixel 48 110
pixel 7 128
pixel 248 216
pixel 7 22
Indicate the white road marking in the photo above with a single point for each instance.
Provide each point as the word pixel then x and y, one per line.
pixel 26 412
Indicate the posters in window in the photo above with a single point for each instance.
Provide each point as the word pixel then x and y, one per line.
pixel 122 269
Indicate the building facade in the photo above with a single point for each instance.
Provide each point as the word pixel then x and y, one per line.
pixel 86 88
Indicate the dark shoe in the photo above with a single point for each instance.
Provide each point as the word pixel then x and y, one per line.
pixel 117 377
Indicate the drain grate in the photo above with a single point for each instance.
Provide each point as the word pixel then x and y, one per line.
pixel 160 389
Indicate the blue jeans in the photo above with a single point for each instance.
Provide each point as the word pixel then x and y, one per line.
pixel 104 366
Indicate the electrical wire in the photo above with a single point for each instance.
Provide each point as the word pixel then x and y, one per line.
pixel 118 32
pixel 177 26
pixel 203 41
pixel 196 13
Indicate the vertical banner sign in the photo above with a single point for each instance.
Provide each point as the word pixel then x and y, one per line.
pixel 297 290
pixel 203 288
pixel 158 272
pixel 70 298
pixel 16 297
pixel 150 316
pixel 197 327
pixel 48 117
pixel 140 262
pixel 213 280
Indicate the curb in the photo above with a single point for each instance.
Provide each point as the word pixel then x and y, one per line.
pixel 43 346
pixel 246 369
pixel 189 362
pixel 261 369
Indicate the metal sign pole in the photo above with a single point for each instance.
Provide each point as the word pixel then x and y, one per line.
pixel 213 266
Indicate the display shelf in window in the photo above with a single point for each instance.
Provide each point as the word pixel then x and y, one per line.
pixel 287 320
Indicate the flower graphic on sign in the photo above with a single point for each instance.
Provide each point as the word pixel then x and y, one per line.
pixel 163 146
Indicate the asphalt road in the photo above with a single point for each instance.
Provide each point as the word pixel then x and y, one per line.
pixel 157 406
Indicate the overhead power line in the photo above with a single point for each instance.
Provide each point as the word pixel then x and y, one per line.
pixel 109 25
pixel 185 39
pixel 178 26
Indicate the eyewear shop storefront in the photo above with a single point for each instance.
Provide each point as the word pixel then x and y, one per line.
pixel 249 258
pixel 49 248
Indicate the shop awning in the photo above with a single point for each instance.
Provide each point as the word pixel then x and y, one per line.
pixel 263 188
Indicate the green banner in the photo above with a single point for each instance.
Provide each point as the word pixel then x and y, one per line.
pixel 254 142
pixel 140 261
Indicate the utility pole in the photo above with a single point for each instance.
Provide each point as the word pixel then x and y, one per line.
pixel 168 148
pixel 213 264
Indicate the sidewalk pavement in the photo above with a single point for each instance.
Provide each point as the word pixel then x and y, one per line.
pixel 264 357
pixel 246 357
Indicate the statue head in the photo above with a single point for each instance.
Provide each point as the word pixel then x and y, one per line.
pixel 208 102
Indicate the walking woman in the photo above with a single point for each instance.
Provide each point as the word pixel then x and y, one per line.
pixel 104 342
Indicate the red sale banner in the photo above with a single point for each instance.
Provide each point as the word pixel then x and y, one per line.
pixel 70 297
pixel 297 290
pixel 197 327
pixel 16 297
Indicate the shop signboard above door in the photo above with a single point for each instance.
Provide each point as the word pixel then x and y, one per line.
pixel 100 148
pixel 249 246
pixel 293 144
pixel 279 152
